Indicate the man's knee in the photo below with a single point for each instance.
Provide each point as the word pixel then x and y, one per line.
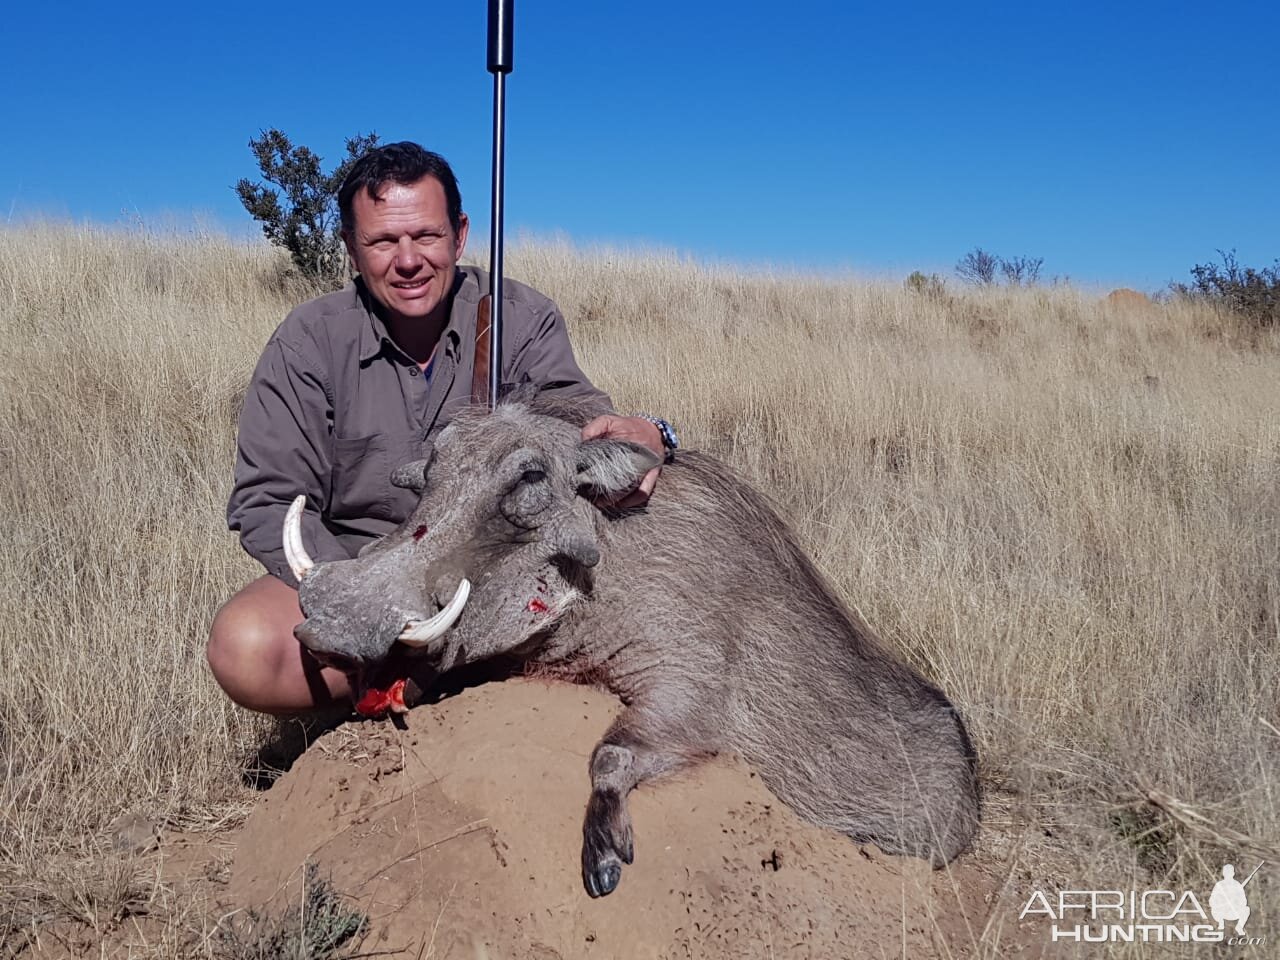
pixel 236 638
pixel 250 636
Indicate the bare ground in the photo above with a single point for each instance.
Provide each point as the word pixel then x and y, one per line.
pixel 463 832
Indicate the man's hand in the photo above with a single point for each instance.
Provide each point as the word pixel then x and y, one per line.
pixel 637 430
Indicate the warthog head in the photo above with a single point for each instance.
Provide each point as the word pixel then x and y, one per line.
pixel 498 549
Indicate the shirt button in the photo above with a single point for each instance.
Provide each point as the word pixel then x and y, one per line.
pixel 413 371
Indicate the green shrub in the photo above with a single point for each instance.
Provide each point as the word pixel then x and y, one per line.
pixel 932 286
pixel 298 204
pixel 1253 295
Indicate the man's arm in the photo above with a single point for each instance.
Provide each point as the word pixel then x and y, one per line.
pixel 282 450
pixel 546 359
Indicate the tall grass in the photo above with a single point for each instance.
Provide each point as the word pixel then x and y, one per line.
pixel 1067 513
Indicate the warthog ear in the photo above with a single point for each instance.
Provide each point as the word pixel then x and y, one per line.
pixel 610 468
pixel 411 476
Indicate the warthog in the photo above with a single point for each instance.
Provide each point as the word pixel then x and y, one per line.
pixel 700 612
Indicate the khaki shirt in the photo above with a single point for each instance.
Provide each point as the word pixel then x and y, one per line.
pixel 335 406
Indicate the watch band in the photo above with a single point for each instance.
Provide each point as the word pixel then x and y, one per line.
pixel 670 441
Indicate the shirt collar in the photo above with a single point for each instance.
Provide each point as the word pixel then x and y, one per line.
pixel 374 338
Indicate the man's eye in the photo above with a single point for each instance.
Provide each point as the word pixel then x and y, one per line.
pixel 533 476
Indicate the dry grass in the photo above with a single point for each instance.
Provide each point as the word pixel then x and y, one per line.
pixel 1067 513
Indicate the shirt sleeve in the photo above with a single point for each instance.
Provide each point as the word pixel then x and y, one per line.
pixel 282 450
pixel 546 359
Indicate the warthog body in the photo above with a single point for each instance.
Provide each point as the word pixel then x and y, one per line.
pixel 700 612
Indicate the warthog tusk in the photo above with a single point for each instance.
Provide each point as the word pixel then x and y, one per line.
pixel 294 551
pixel 418 633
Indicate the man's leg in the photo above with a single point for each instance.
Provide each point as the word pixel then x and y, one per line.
pixel 258 662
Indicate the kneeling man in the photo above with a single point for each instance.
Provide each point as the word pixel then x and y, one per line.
pixel 350 385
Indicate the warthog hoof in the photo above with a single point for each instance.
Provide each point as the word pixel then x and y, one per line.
pixel 606 842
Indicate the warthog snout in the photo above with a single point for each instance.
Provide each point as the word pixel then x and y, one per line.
pixel 413 622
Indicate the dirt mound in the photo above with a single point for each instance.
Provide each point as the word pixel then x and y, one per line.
pixel 1124 297
pixel 461 837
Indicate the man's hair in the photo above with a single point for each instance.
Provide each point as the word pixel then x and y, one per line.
pixel 405 163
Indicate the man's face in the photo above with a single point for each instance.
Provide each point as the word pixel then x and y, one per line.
pixel 405 248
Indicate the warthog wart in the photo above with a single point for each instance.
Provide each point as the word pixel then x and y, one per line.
pixel 700 612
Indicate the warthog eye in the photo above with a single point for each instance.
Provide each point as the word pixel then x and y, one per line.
pixel 528 497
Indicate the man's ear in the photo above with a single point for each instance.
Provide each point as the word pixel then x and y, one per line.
pixel 348 241
pixel 611 468
pixel 464 225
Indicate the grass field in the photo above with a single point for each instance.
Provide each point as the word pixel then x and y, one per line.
pixel 1065 512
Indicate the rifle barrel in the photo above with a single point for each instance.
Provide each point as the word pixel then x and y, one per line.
pixel 500 57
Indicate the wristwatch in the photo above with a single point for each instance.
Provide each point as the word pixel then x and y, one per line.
pixel 670 442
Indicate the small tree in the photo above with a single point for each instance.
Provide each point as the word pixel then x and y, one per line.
pixel 978 267
pixel 299 211
pixel 1249 293
pixel 1022 271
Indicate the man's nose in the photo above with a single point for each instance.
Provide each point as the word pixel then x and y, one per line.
pixel 407 257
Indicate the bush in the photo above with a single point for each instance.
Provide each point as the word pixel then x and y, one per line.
pixel 979 267
pixel 1022 271
pixel 1253 295
pixel 932 286
pixel 302 215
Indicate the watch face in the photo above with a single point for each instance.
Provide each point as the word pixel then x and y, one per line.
pixel 665 430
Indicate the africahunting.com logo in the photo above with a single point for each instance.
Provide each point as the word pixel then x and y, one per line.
pixel 1148 916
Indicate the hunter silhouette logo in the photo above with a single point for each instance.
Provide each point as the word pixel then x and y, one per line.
pixel 1147 916
pixel 1229 901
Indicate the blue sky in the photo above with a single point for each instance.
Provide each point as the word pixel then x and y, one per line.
pixel 1121 142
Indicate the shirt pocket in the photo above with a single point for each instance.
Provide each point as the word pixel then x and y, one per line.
pixel 360 477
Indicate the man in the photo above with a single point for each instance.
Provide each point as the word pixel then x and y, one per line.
pixel 1228 901
pixel 350 385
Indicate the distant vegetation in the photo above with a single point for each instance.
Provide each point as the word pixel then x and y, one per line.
pixel 1247 297
pixel 1252 295
pixel 298 204
pixel 981 267
pixel 932 285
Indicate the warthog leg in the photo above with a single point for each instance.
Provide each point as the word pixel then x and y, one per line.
pixel 621 760
pixel 606 832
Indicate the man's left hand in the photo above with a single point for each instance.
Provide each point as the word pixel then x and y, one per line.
pixel 637 430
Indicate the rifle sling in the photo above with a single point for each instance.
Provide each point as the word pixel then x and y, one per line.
pixel 480 374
